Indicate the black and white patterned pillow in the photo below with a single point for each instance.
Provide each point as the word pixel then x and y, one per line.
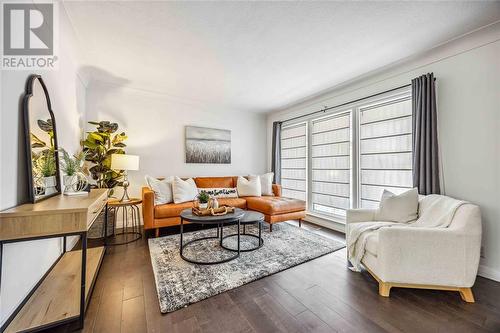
pixel 229 192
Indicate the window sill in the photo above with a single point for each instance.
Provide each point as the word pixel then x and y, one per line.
pixel 329 222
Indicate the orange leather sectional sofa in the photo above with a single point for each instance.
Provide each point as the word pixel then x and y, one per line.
pixel 275 208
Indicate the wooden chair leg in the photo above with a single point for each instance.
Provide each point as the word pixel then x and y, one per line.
pixel 157 232
pixel 384 289
pixel 466 294
pixel 270 227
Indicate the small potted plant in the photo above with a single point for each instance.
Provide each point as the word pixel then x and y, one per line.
pixel 74 180
pixel 45 168
pixel 203 198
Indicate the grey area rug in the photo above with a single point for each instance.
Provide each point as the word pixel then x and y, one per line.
pixel 180 283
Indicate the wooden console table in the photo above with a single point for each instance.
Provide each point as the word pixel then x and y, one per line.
pixel 62 295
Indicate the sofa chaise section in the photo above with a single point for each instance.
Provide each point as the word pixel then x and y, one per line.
pixel 277 209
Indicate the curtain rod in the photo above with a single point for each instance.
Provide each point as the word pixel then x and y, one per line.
pixel 350 102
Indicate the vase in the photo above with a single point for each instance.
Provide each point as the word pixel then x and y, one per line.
pixel 203 205
pixel 69 182
pixel 50 184
pixel 75 183
pixel 215 203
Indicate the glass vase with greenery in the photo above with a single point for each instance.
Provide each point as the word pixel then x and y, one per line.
pixel 70 165
pixel 98 147
pixel 74 179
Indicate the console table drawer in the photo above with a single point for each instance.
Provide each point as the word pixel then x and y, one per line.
pixel 96 208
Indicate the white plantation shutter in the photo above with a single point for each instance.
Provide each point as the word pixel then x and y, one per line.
pixel 331 164
pixel 294 161
pixel 385 149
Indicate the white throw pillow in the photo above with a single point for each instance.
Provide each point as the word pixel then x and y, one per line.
pixel 222 192
pixel 402 208
pixel 266 183
pixel 161 188
pixel 184 190
pixel 249 188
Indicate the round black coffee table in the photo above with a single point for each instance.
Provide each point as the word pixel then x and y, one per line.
pixel 250 217
pixel 219 221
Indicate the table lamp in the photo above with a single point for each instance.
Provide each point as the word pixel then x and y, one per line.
pixel 125 162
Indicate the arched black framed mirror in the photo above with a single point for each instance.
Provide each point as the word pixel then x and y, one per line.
pixel 41 141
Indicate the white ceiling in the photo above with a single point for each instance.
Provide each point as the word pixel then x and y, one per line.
pixel 259 56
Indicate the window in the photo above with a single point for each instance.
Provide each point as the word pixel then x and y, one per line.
pixel 347 157
pixel 331 164
pixel 385 149
pixel 294 161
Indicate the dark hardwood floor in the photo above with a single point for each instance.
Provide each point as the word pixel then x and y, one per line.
pixel 318 296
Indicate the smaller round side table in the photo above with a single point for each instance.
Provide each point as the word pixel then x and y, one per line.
pixel 130 217
pixel 250 217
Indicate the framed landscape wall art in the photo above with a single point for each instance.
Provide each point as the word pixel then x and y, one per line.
pixel 208 145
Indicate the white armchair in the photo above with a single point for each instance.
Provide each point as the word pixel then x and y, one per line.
pixel 427 258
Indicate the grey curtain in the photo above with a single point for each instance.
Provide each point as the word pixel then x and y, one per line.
pixel 425 140
pixel 276 152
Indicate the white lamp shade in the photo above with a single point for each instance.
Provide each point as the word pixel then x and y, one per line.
pixel 124 162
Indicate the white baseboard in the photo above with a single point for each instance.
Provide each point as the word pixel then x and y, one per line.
pixel 489 273
pixel 120 222
pixel 119 219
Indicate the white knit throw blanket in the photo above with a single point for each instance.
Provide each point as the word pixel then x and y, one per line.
pixel 356 240
pixel 438 212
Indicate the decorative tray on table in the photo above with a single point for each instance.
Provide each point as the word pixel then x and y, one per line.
pixel 222 210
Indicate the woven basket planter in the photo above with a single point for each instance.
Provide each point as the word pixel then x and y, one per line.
pixel 97 229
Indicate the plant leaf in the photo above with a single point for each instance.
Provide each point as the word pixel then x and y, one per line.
pixel 96 136
pixel 90 144
pixel 36 142
pixel 45 126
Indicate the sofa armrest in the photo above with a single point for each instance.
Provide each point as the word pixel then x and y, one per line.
pixel 432 256
pixel 360 215
pixel 277 190
pixel 148 206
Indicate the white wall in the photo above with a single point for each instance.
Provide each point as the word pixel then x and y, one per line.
pixel 25 263
pixel 468 88
pixel 155 125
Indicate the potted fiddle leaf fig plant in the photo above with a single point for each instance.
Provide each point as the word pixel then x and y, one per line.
pixel 98 147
